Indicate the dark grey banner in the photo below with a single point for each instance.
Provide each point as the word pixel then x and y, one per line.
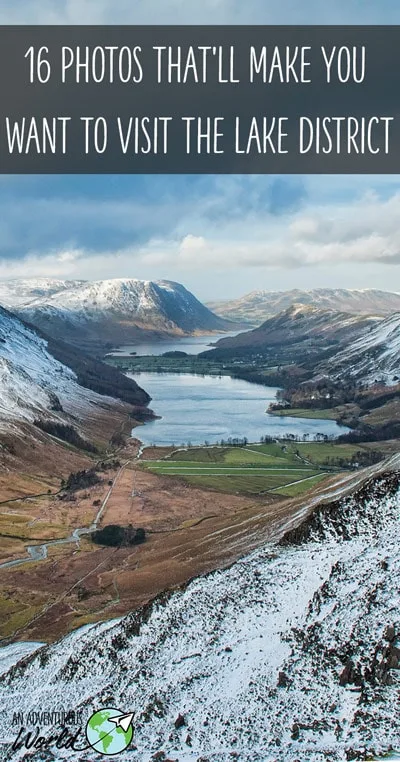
pixel 201 99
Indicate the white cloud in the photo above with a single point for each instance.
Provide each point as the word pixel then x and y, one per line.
pixel 366 231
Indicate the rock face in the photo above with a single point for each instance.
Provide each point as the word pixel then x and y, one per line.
pixel 290 654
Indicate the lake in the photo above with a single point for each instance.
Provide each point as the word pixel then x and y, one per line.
pixel 192 345
pixel 210 408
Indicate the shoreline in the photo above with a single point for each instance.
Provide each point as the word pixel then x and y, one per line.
pixel 317 414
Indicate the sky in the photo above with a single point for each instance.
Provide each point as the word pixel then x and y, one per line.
pixel 221 236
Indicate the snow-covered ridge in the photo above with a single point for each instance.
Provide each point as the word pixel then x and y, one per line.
pixel 374 356
pixel 32 381
pixel 24 290
pixel 162 304
pixel 290 654
pixel 29 375
pixel 302 323
pixel 366 347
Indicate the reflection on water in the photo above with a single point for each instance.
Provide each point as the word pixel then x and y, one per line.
pixel 208 408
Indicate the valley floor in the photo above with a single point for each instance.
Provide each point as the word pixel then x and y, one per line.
pixel 195 521
pixel 289 655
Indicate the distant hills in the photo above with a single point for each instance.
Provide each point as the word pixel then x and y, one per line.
pixel 107 312
pixel 257 306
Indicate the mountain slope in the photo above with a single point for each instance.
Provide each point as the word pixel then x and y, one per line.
pixel 290 654
pixel 260 305
pixel 329 344
pixel 120 310
pixel 21 291
pixel 35 381
pixel 374 356
pixel 300 332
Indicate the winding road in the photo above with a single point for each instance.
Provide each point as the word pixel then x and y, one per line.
pixel 40 552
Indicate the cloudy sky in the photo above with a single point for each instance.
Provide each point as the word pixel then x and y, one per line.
pixel 248 231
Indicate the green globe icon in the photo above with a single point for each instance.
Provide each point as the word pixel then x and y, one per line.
pixel 109 731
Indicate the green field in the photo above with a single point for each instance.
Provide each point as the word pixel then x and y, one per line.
pixel 298 487
pixel 253 469
pixel 302 412
pixel 321 453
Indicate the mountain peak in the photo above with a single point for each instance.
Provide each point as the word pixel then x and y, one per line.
pixel 116 310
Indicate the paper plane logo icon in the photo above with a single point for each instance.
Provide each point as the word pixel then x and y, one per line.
pixel 122 721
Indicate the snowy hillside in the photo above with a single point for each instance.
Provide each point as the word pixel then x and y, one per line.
pixel 33 382
pixel 292 654
pixel 23 290
pixel 304 326
pixel 119 309
pixel 260 305
pixel 374 356
pixel 29 375
pixel 363 347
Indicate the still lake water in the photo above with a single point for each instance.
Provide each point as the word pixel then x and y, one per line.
pixel 208 408
pixel 192 345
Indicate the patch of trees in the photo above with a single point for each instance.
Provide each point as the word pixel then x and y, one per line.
pixel 362 458
pixel 118 439
pixel 264 379
pixel 317 437
pixel 116 536
pixel 80 480
pixel 234 442
pixel 375 400
pixel 108 465
pixel 323 394
pixel 175 353
pixel 389 430
pixel 142 414
pixel 66 432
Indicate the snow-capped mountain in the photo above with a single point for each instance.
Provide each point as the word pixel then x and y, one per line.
pixel 33 382
pixel 260 305
pixel 293 653
pixel 24 290
pixel 116 311
pixel 374 356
